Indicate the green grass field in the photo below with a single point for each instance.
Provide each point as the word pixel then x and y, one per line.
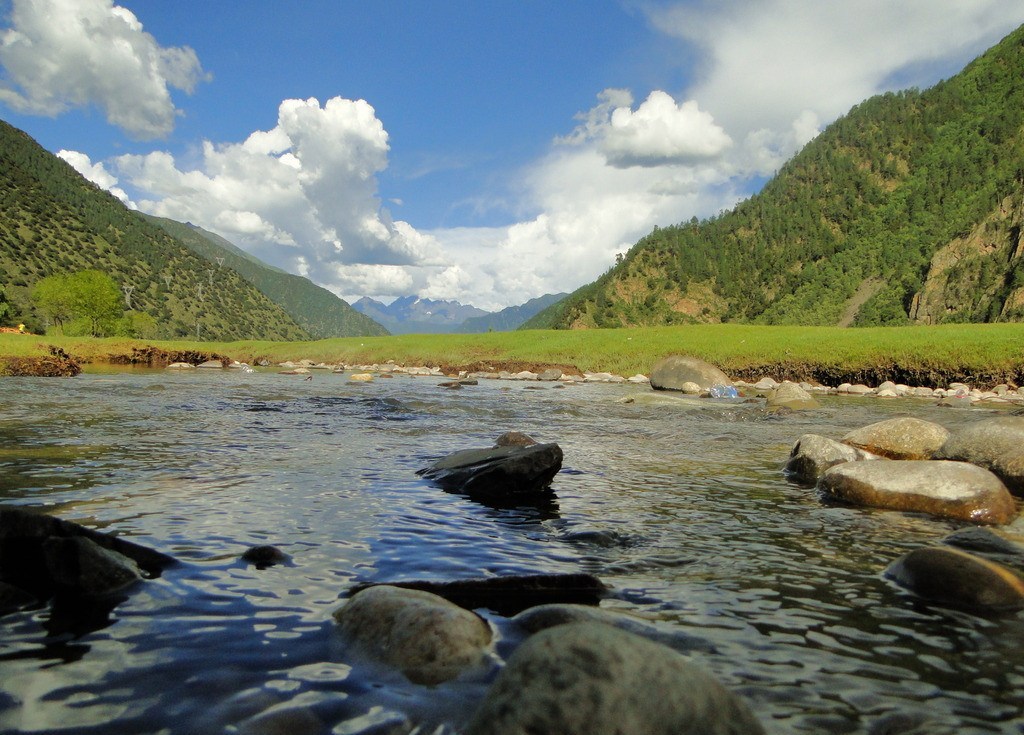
pixel 977 353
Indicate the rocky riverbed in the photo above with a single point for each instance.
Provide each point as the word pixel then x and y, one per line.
pixel 670 544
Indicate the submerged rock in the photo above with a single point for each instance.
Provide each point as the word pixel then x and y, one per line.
pixel 791 396
pixel 996 444
pixel 498 472
pixel 34 554
pixel 514 439
pixel 983 541
pixel 80 565
pixel 264 556
pixel 949 489
pixel 594 679
pixel 899 438
pixel 959 579
pixel 813 454
pixel 510 594
pixel 542 617
pixel 424 636
pixel 673 371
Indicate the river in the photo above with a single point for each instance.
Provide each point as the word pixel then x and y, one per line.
pixel 685 513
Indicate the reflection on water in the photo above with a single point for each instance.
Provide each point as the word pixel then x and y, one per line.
pixel 684 512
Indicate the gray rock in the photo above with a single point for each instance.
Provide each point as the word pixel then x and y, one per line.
pixel 550 374
pixel 671 372
pixel 514 439
pixel 982 541
pixel 77 564
pixel 424 636
pixel 211 364
pixel 948 489
pixel 959 579
pixel 791 396
pixel 498 472
pixel 996 444
pixel 899 438
pixel 542 617
pixel 594 679
pixel 813 454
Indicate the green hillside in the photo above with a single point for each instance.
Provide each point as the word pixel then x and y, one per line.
pixel 53 222
pixel 909 209
pixel 315 309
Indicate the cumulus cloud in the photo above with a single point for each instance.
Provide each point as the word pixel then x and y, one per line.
pixel 97 173
pixel 769 61
pixel 302 196
pixel 659 132
pixel 61 54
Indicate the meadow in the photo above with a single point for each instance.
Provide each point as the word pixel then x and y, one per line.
pixel 920 355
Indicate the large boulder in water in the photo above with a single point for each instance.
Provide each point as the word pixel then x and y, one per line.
pixel 673 371
pixel 899 438
pixel 424 636
pixel 593 679
pixel 498 472
pixel 959 579
pixel 948 489
pixel 996 444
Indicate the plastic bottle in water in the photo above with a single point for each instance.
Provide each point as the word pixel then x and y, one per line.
pixel 724 391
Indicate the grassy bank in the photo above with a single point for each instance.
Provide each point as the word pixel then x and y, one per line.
pixel 976 353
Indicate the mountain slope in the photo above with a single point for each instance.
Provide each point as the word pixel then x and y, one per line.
pixel 53 221
pixel 907 208
pixel 315 309
pixel 510 318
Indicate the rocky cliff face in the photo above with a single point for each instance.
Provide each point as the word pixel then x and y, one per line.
pixel 980 276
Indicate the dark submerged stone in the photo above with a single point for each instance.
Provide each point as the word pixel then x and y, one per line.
pixel 497 472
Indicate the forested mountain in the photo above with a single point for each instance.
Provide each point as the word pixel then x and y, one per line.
pixel 315 309
pixel 55 222
pixel 908 209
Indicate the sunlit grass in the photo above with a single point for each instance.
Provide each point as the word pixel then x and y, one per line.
pixel 971 350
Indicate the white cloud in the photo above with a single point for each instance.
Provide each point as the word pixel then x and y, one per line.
pixel 769 61
pixel 60 54
pixel 302 196
pixel 96 173
pixel 660 132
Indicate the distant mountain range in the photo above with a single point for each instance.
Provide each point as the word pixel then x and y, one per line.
pixel 413 315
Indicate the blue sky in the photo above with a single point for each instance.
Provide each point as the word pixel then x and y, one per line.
pixel 487 151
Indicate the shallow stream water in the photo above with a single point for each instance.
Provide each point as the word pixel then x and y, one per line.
pixel 684 512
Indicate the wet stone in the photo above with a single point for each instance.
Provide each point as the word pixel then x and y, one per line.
pixel 899 438
pixel 959 579
pixel 594 679
pixel 813 454
pixel 424 636
pixel 948 489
